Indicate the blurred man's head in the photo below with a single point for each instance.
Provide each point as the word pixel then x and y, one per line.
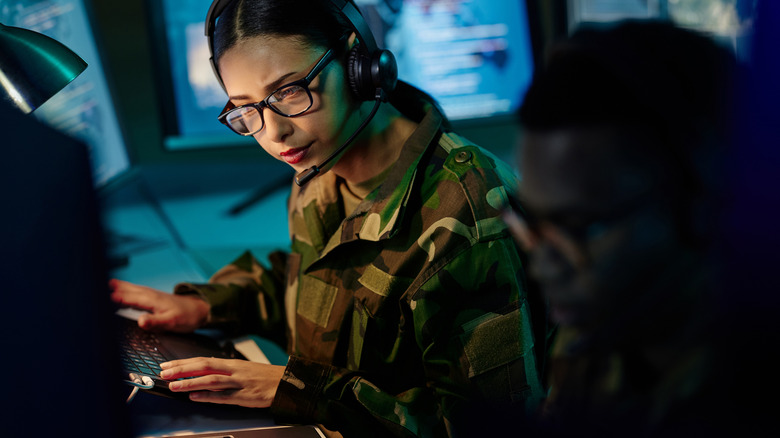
pixel 621 128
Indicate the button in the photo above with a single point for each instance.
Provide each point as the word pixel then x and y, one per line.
pixel 462 156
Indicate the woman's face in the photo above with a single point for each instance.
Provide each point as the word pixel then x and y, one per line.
pixel 254 68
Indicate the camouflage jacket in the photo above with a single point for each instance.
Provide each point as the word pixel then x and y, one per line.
pixel 409 316
pixel 655 367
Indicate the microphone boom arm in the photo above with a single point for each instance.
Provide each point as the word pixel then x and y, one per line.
pixel 305 176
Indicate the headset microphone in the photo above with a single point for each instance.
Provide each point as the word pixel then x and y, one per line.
pixel 304 177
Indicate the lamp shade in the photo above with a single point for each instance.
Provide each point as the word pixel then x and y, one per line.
pixel 34 67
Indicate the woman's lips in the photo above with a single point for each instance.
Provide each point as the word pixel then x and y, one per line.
pixel 294 155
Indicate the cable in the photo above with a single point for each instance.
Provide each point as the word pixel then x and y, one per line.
pixel 132 394
pixel 138 382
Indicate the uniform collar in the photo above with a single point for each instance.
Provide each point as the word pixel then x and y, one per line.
pixel 379 215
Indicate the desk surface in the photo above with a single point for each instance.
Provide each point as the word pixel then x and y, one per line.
pixel 155 415
pixel 174 222
pixel 160 416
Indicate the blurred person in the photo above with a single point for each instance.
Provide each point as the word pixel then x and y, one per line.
pixel 626 128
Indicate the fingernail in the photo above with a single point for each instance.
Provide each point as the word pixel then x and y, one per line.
pixel 165 374
pixel 173 386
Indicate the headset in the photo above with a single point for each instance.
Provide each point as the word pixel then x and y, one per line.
pixel 372 73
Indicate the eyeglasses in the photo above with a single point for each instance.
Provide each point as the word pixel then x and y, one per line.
pixel 568 234
pixel 289 100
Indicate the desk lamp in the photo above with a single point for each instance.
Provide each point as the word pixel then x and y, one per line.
pixel 34 67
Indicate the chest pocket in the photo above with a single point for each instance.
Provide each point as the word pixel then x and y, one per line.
pixel 379 285
pixel 315 300
pixel 379 291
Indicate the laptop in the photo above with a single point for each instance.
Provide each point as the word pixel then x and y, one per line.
pixel 267 432
pixel 142 352
pixel 169 416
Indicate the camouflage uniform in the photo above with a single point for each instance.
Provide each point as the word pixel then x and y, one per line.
pixel 406 317
pixel 655 369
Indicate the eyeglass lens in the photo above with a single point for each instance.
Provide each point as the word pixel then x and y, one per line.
pixel 288 101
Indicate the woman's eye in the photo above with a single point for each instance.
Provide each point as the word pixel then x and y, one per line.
pixel 288 93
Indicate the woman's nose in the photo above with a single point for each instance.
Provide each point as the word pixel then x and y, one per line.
pixel 277 127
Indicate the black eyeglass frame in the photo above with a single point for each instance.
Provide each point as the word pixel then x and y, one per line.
pixel 303 83
pixel 518 218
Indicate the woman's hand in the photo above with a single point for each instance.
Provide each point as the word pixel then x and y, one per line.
pixel 224 381
pixel 177 313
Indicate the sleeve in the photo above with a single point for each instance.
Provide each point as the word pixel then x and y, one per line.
pixel 246 296
pixel 476 344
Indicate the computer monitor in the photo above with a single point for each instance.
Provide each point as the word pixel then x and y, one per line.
pixel 84 109
pixel 728 22
pixel 474 56
pixel 63 378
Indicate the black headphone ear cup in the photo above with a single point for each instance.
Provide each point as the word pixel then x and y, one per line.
pixel 354 62
pixel 365 74
pixel 384 70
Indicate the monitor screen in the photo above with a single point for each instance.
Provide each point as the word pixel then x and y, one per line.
pixel 84 108
pixel 191 86
pixel 473 56
pixel 727 22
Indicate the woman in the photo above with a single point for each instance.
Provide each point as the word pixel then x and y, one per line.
pixel 402 302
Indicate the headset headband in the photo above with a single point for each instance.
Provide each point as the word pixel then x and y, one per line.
pixel 359 25
pixel 345 7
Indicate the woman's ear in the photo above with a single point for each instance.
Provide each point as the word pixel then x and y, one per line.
pixel 352 40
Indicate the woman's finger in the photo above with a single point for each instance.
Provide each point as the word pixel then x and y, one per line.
pixel 210 382
pixel 194 367
pixel 158 321
pixel 227 397
pixel 129 294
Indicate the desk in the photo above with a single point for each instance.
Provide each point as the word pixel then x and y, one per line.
pixel 155 416
pixel 173 223
pixel 160 416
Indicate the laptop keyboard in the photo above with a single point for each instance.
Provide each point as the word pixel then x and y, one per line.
pixel 140 351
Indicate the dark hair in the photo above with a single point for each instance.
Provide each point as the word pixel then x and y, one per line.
pixel 315 22
pixel 629 73
pixel 675 84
